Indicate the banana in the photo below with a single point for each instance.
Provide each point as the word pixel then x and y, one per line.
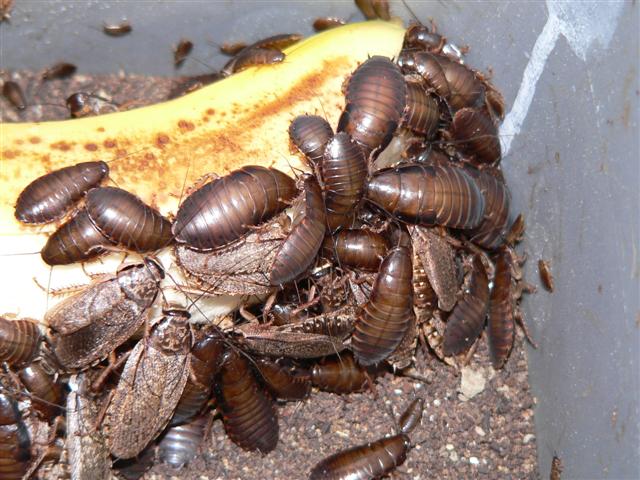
pixel 154 151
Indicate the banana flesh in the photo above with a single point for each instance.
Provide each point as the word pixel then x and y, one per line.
pixel 155 151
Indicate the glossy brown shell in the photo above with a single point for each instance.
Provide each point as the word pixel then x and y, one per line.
pixel 126 220
pixel 310 135
pixel 412 416
pixel 466 321
pixel 325 23
pixel 248 412
pixel 250 57
pixel 364 462
pixel 283 384
pixel 47 395
pixel 13 93
pixel 375 101
pixel 493 230
pixel 344 171
pixel 49 197
pixel 15 443
pixel 361 249
pixel 474 134
pixel 385 318
pixel 422 114
pixel 77 240
pixel 501 323
pixel 428 195
pixel 20 341
pixel 420 36
pixel 299 250
pixel 225 209
pixel 339 374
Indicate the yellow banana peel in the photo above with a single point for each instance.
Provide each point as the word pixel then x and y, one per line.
pixel 155 151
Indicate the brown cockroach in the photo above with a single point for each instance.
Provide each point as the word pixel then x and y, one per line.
pixel 248 412
pixel 13 93
pixel 386 317
pixel 181 51
pixel 373 9
pixel 126 220
pixel 89 325
pixel 466 321
pixel 474 134
pixel 493 230
pixel 341 374
pixel 437 257
pixel 232 48
pixel 180 444
pixel 47 395
pixel 278 42
pixel 88 454
pixel 422 114
pixel 49 197
pixel 371 460
pixel 321 24
pixel 20 341
pixel 117 29
pixel 545 275
pixel 283 384
pixel 299 250
pixel 15 442
pixel 375 101
pixel 241 268
pixel 59 71
pixel 251 57
pixel 428 195
pixel 206 355
pixel 343 170
pixel 227 208
pixel 361 249
pixel 264 340
pixel 556 469
pixel 310 134
pixel 150 385
pixel 5 9
pixel 83 104
pixel 422 37
pixel 76 240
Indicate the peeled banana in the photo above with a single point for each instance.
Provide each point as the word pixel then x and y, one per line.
pixel 154 151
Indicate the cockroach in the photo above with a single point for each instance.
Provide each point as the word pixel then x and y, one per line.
pixel 248 412
pixel 13 93
pixel 50 196
pixel 420 36
pixel 180 444
pixel 283 384
pixel 325 23
pixel 126 220
pixel 278 42
pixel 386 317
pixel 493 230
pixel 191 84
pixel 437 258
pixel 227 208
pixel 422 114
pixel 428 195
pixel 206 355
pixel 466 321
pixel 371 460
pixel 240 268
pixel 232 48
pixel 556 469
pixel 15 442
pixel 59 71
pixel 117 29
pixel 264 340
pixel 83 104
pixel 373 9
pixel 474 134
pixel 47 395
pixel 150 385
pixel 299 250
pixel 341 374
pixel 343 170
pixel 375 100
pixel 361 249
pixel 181 51
pixel 545 274
pixel 89 325
pixel 310 134
pixel 5 9
pixel 88 454
pixel 20 341
pixel 77 240
pixel 251 57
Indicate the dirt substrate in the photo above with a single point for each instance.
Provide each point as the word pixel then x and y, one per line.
pixel 488 436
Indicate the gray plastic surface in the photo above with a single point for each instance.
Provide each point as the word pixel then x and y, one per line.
pixel 573 166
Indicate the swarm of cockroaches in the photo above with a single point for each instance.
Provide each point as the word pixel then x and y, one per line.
pixel 402 232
